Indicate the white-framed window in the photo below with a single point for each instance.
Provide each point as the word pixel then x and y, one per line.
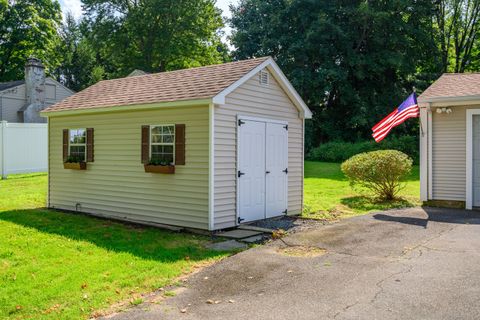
pixel 77 144
pixel 162 144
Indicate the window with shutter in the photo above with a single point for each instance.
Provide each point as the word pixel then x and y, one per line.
pixel 163 144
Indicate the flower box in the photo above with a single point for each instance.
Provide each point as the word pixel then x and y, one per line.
pixel 159 169
pixel 75 165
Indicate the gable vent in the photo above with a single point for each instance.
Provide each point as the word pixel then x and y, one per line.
pixel 264 77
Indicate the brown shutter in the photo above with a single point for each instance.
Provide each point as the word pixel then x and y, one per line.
pixel 89 144
pixel 65 145
pixel 145 144
pixel 179 144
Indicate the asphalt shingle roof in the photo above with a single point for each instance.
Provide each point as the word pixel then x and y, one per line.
pixel 10 84
pixel 187 84
pixel 453 85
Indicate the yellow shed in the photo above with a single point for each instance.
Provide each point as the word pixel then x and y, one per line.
pixel 207 148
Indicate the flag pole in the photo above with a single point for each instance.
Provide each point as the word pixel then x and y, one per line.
pixel 419 117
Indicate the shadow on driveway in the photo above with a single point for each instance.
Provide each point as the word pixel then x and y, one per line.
pixel 455 216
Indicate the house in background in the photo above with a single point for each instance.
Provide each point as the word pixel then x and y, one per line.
pixel 22 100
pixel 450 141
pixel 229 139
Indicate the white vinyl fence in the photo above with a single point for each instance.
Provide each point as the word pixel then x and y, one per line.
pixel 23 148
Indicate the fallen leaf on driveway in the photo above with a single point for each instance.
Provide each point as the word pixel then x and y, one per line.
pixel 231 301
pixel 210 301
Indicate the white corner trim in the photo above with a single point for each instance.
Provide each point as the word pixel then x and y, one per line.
pixel 279 76
pixel 211 167
pixel 430 153
pixel 424 157
pixel 469 159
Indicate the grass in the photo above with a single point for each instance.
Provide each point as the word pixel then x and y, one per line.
pixel 328 194
pixel 55 265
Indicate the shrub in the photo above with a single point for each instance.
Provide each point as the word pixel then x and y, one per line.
pixel 380 171
pixel 338 151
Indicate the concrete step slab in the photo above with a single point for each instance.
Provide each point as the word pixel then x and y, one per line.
pixel 227 245
pixel 238 234
pixel 255 239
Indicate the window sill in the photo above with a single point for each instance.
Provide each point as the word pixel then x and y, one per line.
pixel 75 165
pixel 159 169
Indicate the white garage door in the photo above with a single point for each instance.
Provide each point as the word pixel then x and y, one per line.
pixel 262 169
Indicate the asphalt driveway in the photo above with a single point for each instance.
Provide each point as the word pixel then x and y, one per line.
pixel 402 264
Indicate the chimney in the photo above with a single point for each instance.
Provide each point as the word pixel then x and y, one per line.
pixel 35 90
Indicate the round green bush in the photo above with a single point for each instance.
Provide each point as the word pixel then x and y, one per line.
pixel 380 171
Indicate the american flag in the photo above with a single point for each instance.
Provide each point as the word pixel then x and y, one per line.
pixel 408 109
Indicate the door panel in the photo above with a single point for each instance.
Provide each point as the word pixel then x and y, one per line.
pixel 276 163
pixel 476 160
pixel 251 149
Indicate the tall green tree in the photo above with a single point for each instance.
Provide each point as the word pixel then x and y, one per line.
pixel 27 27
pixel 154 35
pixel 78 68
pixel 352 61
pixel 458 23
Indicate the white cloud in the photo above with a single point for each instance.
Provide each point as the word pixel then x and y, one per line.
pixel 73 6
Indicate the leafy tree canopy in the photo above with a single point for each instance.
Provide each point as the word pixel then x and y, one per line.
pixel 154 35
pixel 352 61
pixel 27 27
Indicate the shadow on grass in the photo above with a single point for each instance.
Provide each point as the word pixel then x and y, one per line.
pixel 366 203
pixel 143 242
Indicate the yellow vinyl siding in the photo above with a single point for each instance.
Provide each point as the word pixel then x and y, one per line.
pixel 449 154
pixel 256 100
pixel 115 185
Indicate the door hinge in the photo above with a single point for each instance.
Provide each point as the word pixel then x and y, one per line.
pixel 240 220
pixel 285 211
pixel 240 173
pixel 286 127
pixel 240 122
pixel 286 170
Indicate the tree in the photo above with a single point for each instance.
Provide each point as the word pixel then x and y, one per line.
pixel 27 27
pixel 458 23
pixel 352 61
pixel 79 68
pixel 154 35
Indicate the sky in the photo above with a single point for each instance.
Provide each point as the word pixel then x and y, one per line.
pixel 75 7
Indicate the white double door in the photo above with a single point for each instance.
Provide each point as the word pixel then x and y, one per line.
pixel 262 169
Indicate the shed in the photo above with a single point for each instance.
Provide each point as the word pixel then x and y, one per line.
pixel 450 141
pixel 208 147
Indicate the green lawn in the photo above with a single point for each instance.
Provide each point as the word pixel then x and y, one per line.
pixel 57 265
pixel 64 266
pixel 328 194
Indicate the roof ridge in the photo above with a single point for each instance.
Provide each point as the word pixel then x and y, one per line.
pixel 189 69
pixel 459 73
